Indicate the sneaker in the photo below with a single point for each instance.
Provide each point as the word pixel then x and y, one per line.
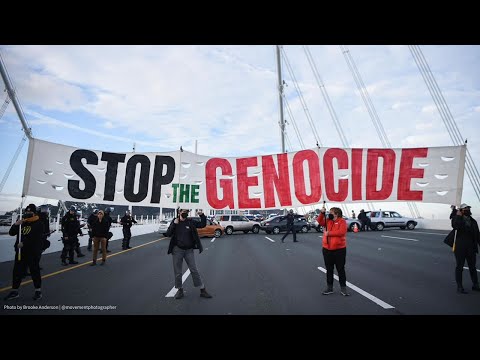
pixel 461 290
pixel 129 247
pixel 38 295
pixel 108 251
pixel 343 291
pixel 12 295
pixel 179 294
pixel 64 263
pixel 328 291
pixel 93 264
pixel 73 262
pixel 80 255
pixel 204 293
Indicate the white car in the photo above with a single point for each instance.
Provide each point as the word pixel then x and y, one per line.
pixel 163 227
pixel 233 223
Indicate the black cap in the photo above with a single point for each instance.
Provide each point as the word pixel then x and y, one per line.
pixel 31 207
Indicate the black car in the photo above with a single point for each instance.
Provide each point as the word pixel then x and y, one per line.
pixel 278 224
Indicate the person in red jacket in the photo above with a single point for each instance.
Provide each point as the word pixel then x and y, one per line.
pixel 334 247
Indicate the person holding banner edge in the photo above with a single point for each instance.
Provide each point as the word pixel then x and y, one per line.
pixel 184 239
pixel 28 249
pixel 465 246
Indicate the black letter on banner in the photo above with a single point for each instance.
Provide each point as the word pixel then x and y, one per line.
pixel 83 173
pixel 130 178
pixel 112 160
pixel 158 179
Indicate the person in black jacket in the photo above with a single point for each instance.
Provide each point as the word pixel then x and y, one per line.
pixel 127 221
pixel 29 248
pixel 365 220
pixel 109 220
pixel 465 247
pixel 290 227
pixel 90 220
pixel 70 230
pixel 100 228
pixel 184 239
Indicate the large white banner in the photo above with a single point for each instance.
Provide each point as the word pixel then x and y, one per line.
pixel 307 177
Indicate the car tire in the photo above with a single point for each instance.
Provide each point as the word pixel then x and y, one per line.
pixel 218 233
pixel 276 230
pixel 304 229
pixel 229 230
pixel 256 229
pixel 379 226
pixel 410 225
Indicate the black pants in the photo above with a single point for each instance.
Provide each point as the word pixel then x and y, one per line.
pixel 335 258
pixel 290 229
pixel 127 235
pixel 77 248
pixel 471 258
pixel 69 248
pixel 90 239
pixel 28 260
pixel 366 225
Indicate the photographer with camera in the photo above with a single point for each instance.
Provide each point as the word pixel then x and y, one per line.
pixel 465 246
pixel 184 239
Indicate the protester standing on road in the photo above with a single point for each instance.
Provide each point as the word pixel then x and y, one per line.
pixel 365 220
pixel 334 247
pixel 290 227
pixel 127 221
pixel 108 218
pixel 90 220
pixel 184 239
pixel 466 246
pixel 70 230
pixel 30 247
pixel 100 228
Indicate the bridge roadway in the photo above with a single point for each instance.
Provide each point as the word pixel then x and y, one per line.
pixel 392 272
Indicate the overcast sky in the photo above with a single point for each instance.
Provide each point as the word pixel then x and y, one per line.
pixel 164 97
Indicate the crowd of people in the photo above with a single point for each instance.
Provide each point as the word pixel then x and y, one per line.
pixel 32 232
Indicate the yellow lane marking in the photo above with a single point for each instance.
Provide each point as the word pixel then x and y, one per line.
pixel 83 264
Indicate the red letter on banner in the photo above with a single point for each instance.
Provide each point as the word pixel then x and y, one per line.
pixel 407 173
pixel 388 156
pixel 357 174
pixel 342 159
pixel 299 177
pixel 225 184
pixel 280 179
pixel 244 182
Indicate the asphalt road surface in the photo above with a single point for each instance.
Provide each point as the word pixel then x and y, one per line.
pixel 392 272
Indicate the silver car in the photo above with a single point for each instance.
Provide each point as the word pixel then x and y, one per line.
pixel 382 219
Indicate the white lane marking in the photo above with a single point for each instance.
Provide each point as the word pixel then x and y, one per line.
pixel 376 300
pixel 172 292
pixel 394 237
pixel 466 268
pixel 419 232
pixel 213 240
pixel 266 237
